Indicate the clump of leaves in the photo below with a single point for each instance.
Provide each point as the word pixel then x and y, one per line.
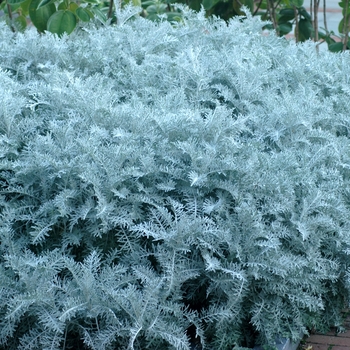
pixel 56 17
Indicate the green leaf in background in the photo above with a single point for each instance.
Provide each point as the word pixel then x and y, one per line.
pixel 285 28
pixel 156 9
pixel 13 2
pixel 62 6
pixel 174 16
pixel 99 15
pixel 25 7
pixel 286 15
pixel 336 47
pixel 263 5
pixel 13 7
pixel 268 27
pixel 327 37
pixel 208 4
pixel 20 23
pixel 304 13
pixel 72 7
pixel 62 21
pixel 89 13
pixel 40 17
pixel 345 11
pixel 82 14
pixel 341 24
pixel 137 3
pixel 305 29
pixel 44 2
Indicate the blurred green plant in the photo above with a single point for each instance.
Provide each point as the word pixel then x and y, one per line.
pixel 336 43
pixel 285 16
pixel 156 9
pixel 55 16
pixel 62 16
pixel 343 28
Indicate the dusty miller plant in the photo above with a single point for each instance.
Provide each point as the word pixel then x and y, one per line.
pixel 170 186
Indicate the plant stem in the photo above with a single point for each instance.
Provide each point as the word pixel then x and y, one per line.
pixel 316 6
pixel 311 12
pixel 257 8
pixel 296 16
pixel 10 16
pixel 324 16
pixel 346 25
pixel 110 9
pixel 271 10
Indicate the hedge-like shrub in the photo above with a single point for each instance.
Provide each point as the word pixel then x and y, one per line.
pixel 171 187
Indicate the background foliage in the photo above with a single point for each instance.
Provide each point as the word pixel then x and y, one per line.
pixel 166 186
pixel 286 16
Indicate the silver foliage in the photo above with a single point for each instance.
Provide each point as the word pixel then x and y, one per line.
pixel 164 185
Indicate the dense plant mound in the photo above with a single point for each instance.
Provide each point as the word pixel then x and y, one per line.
pixel 165 187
